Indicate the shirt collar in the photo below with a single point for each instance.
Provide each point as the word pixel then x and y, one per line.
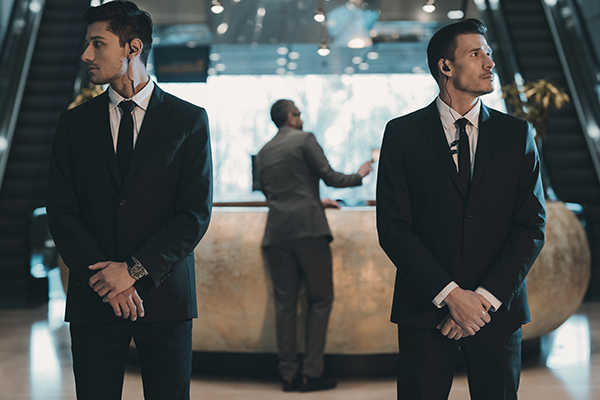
pixel 449 116
pixel 141 98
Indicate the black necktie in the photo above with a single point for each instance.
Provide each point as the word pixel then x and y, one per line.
pixel 125 138
pixel 464 155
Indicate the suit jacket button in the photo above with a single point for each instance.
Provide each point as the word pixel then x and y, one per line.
pixel 122 202
pixel 467 215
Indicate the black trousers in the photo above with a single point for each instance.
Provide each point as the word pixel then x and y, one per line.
pixel 290 262
pixel 427 361
pixel 100 354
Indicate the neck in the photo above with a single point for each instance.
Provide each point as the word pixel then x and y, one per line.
pixel 459 101
pixel 134 80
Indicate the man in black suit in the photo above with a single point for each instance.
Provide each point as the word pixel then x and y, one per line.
pixel 460 212
pixel 296 241
pixel 129 198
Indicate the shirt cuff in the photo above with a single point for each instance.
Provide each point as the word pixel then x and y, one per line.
pixel 496 304
pixel 438 301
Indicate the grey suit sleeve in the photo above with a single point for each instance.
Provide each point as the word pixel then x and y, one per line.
pixel 320 165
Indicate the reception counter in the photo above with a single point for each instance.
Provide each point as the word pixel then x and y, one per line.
pixel 235 297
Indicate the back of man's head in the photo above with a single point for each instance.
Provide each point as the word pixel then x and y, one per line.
pixel 125 20
pixel 280 111
pixel 443 43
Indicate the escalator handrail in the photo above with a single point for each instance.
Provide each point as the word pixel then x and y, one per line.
pixel 580 68
pixel 15 59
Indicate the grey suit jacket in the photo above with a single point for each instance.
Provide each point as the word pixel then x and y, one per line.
pixel 290 167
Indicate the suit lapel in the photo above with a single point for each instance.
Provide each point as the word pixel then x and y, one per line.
pixel 100 121
pixel 156 114
pixel 485 144
pixel 434 131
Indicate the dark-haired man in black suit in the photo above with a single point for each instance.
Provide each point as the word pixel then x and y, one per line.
pixel 460 212
pixel 130 197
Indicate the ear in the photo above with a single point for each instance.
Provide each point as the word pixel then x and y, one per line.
pixel 135 48
pixel 443 68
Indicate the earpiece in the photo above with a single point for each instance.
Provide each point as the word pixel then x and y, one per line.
pixel 445 67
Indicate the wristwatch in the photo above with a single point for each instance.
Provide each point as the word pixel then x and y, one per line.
pixel 136 269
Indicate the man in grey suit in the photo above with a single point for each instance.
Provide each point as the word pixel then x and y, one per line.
pixel 297 240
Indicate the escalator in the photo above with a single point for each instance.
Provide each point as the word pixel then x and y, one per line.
pixel 48 92
pixel 568 152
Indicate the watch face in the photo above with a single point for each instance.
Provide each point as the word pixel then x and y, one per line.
pixel 137 271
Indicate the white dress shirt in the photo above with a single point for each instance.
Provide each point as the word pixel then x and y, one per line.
pixel 141 100
pixel 448 117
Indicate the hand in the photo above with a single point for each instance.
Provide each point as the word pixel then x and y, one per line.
pixel 128 304
pixel 112 278
pixel 451 329
pixel 365 169
pixel 468 309
pixel 329 203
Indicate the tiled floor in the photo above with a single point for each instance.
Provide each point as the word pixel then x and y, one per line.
pixel 35 363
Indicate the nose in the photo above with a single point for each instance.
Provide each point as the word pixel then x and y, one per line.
pixel 489 63
pixel 86 56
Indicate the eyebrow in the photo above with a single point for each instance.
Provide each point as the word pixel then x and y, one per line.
pixel 488 48
pixel 96 38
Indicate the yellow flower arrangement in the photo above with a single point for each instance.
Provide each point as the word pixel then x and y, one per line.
pixel 534 100
pixel 86 94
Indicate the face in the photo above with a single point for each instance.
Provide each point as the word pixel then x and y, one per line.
pixel 294 118
pixel 106 59
pixel 472 65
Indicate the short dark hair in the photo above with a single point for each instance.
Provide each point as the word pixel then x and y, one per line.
pixel 443 43
pixel 126 21
pixel 280 110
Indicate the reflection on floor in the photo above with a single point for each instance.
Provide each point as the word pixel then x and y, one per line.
pixel 35 363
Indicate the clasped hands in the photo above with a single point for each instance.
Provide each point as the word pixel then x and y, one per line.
pixel 113 283
pixel 468 314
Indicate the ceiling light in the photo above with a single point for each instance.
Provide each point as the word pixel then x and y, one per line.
pixel 319 16
pixel 349 70
pixel 372 55
pixel 292 65
pixel 359 42
pixel 357 60
pixel 282 50
pixel 281 61
pixel 363 66
pixel 323 49
pixel 222 28
pixel 294 55
pixel 429 6
pixel 320 12
pixel 216 7
pixel 456 14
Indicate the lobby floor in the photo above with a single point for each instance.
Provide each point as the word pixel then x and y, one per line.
pixel 35 363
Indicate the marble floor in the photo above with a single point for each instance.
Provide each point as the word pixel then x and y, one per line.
pixel 35 363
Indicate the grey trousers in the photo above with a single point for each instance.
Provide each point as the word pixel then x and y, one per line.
pixel 290 262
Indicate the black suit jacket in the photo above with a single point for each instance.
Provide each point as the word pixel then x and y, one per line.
pixel 158 213
pixel 434 233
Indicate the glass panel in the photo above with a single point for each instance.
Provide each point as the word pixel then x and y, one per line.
pixel 347 114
